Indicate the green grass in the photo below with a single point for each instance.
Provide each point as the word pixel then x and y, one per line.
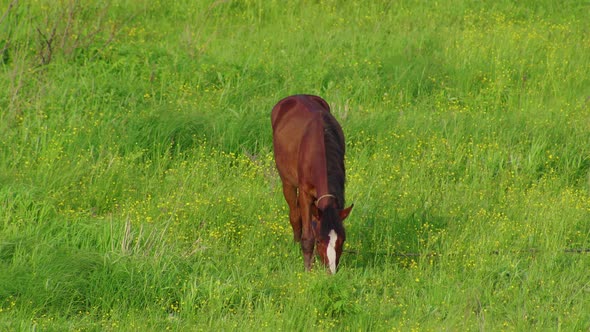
pixel 138 189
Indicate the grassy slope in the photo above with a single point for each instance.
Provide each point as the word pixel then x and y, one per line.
pixel 137 186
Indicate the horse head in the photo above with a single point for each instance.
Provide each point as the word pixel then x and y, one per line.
pixel 329 234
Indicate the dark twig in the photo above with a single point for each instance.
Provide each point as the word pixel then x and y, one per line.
pixel 46 51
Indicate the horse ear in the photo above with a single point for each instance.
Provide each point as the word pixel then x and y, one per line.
pixel 344 213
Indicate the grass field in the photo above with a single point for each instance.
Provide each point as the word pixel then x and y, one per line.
pixel 138 188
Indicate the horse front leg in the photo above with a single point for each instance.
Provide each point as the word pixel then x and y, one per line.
pixel 307 236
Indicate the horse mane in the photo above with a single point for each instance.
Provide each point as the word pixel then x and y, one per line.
pixel 329 222
pixel 334 149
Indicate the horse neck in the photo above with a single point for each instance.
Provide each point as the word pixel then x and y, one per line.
pixel 334 156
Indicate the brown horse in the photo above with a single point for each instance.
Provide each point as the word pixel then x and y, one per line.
pixel 309 153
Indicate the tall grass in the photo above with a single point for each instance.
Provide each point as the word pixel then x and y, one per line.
pixel 138 190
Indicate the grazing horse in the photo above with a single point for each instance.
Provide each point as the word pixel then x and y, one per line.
pixel 309 154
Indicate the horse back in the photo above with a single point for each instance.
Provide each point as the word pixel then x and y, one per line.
pixel 297 108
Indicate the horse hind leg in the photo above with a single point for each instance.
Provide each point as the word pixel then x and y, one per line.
pixel 290 193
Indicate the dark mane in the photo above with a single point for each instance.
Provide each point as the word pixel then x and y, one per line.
pixel 330 222
pixel 334 149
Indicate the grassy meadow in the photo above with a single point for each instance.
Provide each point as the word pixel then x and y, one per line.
pixel 138 188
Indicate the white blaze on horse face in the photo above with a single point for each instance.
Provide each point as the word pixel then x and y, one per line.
pixel 331 251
